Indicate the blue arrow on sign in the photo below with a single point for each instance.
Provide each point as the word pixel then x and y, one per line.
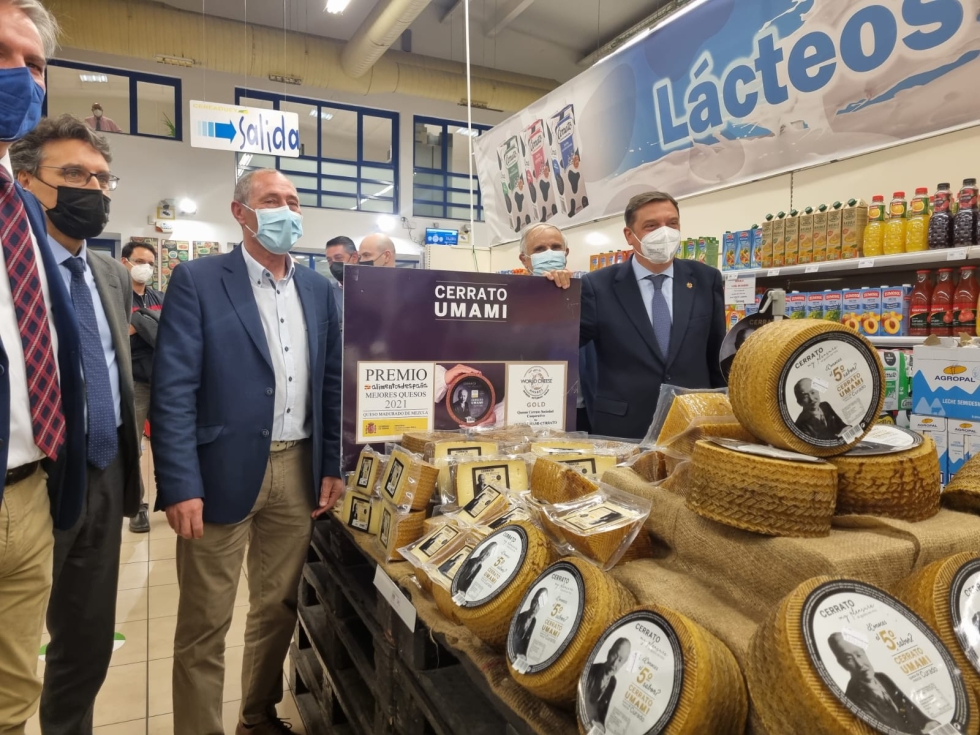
pixel 224 130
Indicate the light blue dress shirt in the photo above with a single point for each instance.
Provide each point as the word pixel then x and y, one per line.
pixel 647 289
pixel 60 256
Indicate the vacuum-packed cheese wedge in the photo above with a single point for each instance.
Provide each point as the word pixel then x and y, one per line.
pixel 776 497
pixel 440 579
pixel 369 466
pixel 431 543
pixel 417 441
pixel 438 558
pixel 358 512
pixel 486 506
pixel 842 657
pixel 554 481
pixel 654 671
pixel 490 585
pixel 408 481
pixel 561 617
pixel 963 491
pixel 946 595
pixel 686 407
pixel 809 386
pixel 472 475
pixel 651 466
pixel 397 530
pixel 600 526
pixel 548 447
pixel 443 454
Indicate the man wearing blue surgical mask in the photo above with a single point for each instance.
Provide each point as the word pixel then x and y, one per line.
pixel 245 409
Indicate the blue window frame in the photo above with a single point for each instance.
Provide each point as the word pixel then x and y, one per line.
pixel 348 155
pixel 440 181
pixel 149 105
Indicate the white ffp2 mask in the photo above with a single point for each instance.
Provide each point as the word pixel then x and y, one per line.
pixel 142 272
pixel 660 245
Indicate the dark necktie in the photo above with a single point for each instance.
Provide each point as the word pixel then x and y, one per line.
pixel 661 314
pixel 47 414
pixel 103 441
pixel 98 123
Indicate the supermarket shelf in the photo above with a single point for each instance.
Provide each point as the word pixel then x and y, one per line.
pixel 896 342
pixel 901 262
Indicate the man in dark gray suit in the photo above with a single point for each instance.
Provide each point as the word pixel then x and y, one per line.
pixel 66 166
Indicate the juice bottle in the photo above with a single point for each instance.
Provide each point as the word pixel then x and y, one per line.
pixel 894 239
pixel 965 302
pixel 941 222
pixel 920 302
pixel 965 221
pixel 941 306
pixel 917 227
pixel 874 232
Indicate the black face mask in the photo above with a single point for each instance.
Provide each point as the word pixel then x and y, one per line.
pixel 79 213
pixel 337 271
pixel 365 262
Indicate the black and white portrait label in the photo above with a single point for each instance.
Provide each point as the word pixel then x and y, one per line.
pixel 882 662
pixel 547 620
pixel 964 604
pixel 491 567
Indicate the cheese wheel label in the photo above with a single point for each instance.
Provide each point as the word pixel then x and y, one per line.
pixel 829 390
pixel 511 516
pixel 360 513
pixel 491 567
pixel 393 477
pixel 364 471
pixel 885 439
pixel 764 450
pixel 547 620
pixel 632 681
pixel 964 602
pixel 450 566
pixel 386 522
pixel 882 662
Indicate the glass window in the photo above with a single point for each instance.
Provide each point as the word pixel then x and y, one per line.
pixel 377 205
pixel 377 139
pixel 338 169
pixel 245 101
pixel 338 134
pixel 156 109
pixel 441 165
pixel 307 126
pixel 429 195
pixel 339 186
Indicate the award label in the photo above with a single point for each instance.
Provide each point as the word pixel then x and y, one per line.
pixel 536 393
pixel 632 682
pixel 829 390
pixel 547 620
pixel 491 567
pixel 470 399
pixel 394 398
pixel 882 662
pixel 964 602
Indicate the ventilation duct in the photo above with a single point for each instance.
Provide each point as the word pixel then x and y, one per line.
pixel 384 24
pixel 144 30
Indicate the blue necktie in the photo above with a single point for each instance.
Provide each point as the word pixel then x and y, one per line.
pixel 661 314
pixel 103 441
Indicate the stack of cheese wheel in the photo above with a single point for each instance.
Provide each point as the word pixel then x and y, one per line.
pixel 408 480
pixel 946 594
pixel 556 625
pixel 808 386
pixel 963 491
pixel 840 656
pixel 901 485
pixel 489 586
pixel 776 497
pixel 654 671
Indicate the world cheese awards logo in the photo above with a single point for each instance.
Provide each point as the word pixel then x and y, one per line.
pixel 536 382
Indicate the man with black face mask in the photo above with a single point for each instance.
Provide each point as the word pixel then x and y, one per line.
pixel 66 166
pixel 341 251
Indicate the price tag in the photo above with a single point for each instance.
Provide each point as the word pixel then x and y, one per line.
pixel 812 269
pixel 772 272
pixel 731 275
pixel 957 254
pixel 740 290
pixel 866 263
pixel 396 598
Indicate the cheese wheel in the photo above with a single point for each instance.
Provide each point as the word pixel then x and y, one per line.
pixel 963 491
pixel 846 658
pixel 654 671
pixel 561 617
pixel 473 474
pixel 686 407
pixel 408 481
pixel 489 587
pixel 554 481
pixel 810 386
pixel 946 595
pixel 357 512
pixel 682 445
pixel 398 530
pixel 775 497
pixel 902 485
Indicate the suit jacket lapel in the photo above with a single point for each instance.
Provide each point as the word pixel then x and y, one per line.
pixel 111 297
pixel 628 293
pixel 683 304
pixel 240 293
pixel 305 290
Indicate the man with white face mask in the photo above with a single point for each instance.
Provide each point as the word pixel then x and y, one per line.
pixel 653 320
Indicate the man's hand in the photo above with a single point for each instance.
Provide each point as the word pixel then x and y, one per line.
pixel 187 518
pixel 562 279
pixel 132 330
pixel 459 370
pixel 331 488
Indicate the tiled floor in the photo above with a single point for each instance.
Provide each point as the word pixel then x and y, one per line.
pixel 136 697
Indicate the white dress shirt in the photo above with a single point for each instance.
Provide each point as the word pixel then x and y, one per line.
pixel 647 289
pixel 61 256
pixel 286 334
pixel 21 448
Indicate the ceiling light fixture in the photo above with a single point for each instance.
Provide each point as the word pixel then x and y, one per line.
pixel 324 115
pixel 337 6
pixel 99 78
pixel 174 60
pixel 596 238
pixel 187 206
pixel 386 223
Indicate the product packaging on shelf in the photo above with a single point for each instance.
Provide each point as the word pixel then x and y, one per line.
pixel 814 305
pixel 744 240
pixel 871 312
pixel 835 224
pixel 796 305
pixel 854 221
pixel 820 234
pixel 946 381
pixel 765 245
pixel 851 308
pixel 730 252
pixel 791 236
pixel 756 237
pixel 897 395
pixel 691 249
pixel 964 442
pixel 779 241
pixel 753 308
pixel 895 310
pixel 934 427
pixel 806 237
pixel 833 306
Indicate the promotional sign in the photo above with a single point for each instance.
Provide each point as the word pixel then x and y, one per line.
pixel 244 129
pixel 428 350
pixel 729 91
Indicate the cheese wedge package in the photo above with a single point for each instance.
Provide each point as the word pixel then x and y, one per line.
pixel 445 454
pixel 677 408
pixel 433 541
pixel 370 466
pixel 472 474
pixel 398 529
pixel 408 481
pixel 599 527
pixel 358 512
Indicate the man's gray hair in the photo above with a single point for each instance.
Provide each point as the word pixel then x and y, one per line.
pixel 243 187
pixel 27 153
pixel 536 228
pixel 43 20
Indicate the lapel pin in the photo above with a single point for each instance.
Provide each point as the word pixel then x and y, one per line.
pixel 690 285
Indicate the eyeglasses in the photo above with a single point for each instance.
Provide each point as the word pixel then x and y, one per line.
pixel 75 176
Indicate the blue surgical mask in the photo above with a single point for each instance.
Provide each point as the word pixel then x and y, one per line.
pixel 20 103
pixel 279 229
pixel 549 260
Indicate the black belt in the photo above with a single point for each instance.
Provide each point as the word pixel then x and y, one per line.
pixel 18 474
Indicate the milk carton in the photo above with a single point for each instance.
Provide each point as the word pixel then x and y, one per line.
pixel 778 241
pixel 820 234
pixel 765 248
pixel 814 305
pixel 791 236
pixel 946 381
pixel 744 238
pixel 756 261
pixel 729 252
pixel 835 223
pixel 897 396
pixel 895 311
pixel 935 428
pixel 833 306
pixel 539 172
pixel 853 222
pixel 871 312
pixel 796 305
pixel 851 309
pixel 964 441
pixel 566 161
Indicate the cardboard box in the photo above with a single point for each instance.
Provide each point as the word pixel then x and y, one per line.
pixel 820 236
pixel 814 305
pixel 791 236
pixel 897 395
pixel 795 305
pixel 895 311
pixel 853 222
pixel 744 238
pixel 778 243
pixel 729 252
pixel 935 428
pixel 806 239
pixel 851 309
pixel 765 256
pixel 963 438
pixel 946 381
pixel 835 224
pixel 871 312
pixel 833 306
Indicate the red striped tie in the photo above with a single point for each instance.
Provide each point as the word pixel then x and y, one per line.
pixel 47 415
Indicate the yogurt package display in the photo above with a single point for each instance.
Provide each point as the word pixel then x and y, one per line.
pixel 540 182
pixel 566 157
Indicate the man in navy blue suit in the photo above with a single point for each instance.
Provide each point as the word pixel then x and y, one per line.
pixel 42 431
pixel 245 409
pixel 653 320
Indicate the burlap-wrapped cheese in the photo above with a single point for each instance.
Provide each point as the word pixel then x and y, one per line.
pixel 963 491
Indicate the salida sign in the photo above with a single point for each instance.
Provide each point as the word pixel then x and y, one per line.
pixel 244 129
